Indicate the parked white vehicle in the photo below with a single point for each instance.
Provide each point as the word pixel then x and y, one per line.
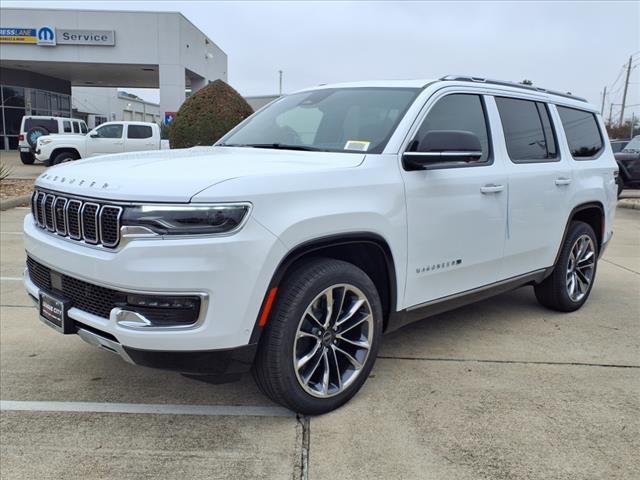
pixel 109 137
pixel 325 219
pixel 33 127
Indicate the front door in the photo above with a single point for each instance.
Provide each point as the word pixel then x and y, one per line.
pixel 107 138
pixel 456 212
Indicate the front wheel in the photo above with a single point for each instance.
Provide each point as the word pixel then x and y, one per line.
pixel 570 284
pixel 321 339
pixel 64 157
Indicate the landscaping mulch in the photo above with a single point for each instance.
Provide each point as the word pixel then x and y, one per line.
pixel 15 188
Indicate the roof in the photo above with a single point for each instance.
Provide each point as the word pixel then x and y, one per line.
pixel 460 80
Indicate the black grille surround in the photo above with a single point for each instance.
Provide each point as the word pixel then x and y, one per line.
pixel 99 300
pixel 93 222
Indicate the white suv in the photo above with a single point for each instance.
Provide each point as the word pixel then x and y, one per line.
pixel 33 127
pixel 325 219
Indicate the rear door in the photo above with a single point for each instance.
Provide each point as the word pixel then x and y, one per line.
pixel 140 137
pixel 540 184
pixel 107 138
pixel 456 213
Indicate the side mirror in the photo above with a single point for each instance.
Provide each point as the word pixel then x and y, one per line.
pixel 94 135
pixel 443 146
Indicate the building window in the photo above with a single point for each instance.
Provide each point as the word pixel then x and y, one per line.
pixel 12 96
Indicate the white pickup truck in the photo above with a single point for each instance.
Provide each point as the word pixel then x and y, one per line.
pixel 110 137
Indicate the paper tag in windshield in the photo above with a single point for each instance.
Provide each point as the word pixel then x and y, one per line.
pixel 358 145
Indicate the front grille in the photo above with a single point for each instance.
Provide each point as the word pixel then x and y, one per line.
pixel 100 301
pixel 92 222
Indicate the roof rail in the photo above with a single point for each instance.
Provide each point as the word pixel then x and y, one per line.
pixel 463 78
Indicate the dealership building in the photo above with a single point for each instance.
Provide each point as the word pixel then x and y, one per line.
pixel 44 53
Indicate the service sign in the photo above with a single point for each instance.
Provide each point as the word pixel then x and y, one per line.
pixel 18 35
pixel 86 37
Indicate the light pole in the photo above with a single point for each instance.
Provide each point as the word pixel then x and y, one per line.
pixel 280 75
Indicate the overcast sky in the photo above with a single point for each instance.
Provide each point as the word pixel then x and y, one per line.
pixel 570 46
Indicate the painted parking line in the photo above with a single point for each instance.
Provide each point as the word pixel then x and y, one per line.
pixel 11 279
pixel 148 408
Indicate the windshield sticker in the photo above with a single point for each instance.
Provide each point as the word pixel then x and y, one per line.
pixel 359 145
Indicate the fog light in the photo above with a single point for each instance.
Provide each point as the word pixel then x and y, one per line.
pixel 165 311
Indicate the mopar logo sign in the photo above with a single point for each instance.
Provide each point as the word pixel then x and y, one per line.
pixel 46 36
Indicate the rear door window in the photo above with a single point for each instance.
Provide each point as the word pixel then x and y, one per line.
pixel 139 131
pixel 528 131
pixel 76 127
pixel 582 132
pixel 66 125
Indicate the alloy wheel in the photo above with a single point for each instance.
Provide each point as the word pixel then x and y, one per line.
pixel 582 261
pixel 333 340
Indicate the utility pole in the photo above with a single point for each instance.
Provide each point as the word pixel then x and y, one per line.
pixel 280 73
pixel 633 120
pixel 610 113
pixel 626 86
pixel 604 95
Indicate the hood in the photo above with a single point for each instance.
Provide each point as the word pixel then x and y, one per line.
pixel 178 175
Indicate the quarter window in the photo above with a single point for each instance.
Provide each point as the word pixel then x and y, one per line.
pixel 583 134
pixel 113 130
pixel 139 131
pixel 528 131
pixel 458 112
pixel 83 127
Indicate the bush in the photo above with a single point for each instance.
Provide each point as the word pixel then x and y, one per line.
pixel 207 115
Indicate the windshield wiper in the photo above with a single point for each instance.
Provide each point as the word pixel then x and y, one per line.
pixel 276 146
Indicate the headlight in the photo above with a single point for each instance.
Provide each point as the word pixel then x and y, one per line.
pixel 45 141
pixel 187 219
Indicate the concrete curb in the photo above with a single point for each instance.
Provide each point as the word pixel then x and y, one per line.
pixel 14 202
pixel 629 203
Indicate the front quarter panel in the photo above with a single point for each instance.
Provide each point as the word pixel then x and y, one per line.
pixel 303 207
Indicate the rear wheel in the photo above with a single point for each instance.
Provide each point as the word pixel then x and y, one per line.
pixel 570 284
pixel 27 158
pixel 322 337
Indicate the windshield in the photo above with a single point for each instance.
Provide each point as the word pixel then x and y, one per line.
pixel 333 120
pixel 633 146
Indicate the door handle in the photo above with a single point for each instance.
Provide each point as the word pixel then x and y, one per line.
pixel 118 143
pixel 491 188
pixel 563 181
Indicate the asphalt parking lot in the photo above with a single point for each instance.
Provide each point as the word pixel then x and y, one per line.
pixel 502 389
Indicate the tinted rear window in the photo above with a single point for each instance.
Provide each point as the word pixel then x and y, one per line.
pixel 49 124
pixel 527 130
pixel 583 134
pixel 139 131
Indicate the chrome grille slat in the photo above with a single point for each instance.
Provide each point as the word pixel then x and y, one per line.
pixel 90 227
pixel 59 217
pixel 86 221
pixel 48 212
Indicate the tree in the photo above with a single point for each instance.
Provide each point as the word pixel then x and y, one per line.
pixel 207 115
pixel 623 131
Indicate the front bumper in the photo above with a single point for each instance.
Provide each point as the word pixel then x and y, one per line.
pixel 233 272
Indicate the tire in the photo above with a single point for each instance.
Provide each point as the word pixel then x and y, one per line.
pixel 33 134
pixel 27 158
pixel 305 290
pixel 64 157
pixel 555 292
pixel 620 184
